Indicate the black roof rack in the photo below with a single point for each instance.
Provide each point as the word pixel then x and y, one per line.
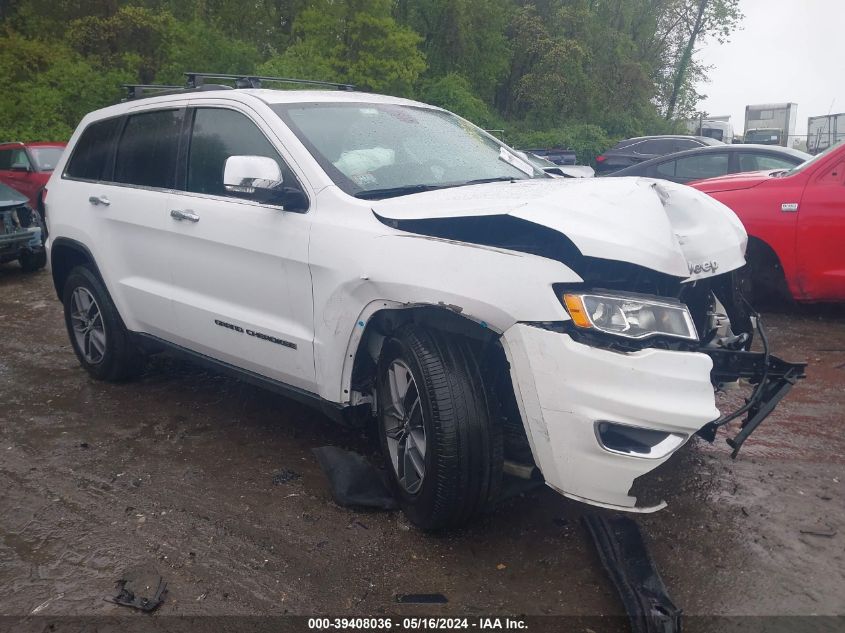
pixel 137 91
pixel 196 80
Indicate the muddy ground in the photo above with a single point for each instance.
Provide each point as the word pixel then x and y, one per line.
pixel 177 470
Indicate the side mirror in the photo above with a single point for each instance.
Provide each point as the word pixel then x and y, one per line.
pixel 247 174
pixel 260 178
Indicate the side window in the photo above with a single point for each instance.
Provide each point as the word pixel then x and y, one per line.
pixel 684 144
pixel 92 154
pixel 666 170
pixel 657 146
pixel 6 159
pixel 758 162
pixel 20 160
pixel 702 166
pixel 146 153
pixel 218 134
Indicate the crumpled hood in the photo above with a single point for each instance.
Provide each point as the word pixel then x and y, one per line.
pixel 659 225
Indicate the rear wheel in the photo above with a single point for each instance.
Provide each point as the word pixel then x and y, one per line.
pixel 440 431
pixel 97 334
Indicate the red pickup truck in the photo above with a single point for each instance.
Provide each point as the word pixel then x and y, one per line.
pixel 26 167
pixel 796 225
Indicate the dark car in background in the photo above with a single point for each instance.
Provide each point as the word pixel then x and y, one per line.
pixel 557 155
pixel 714 161
pixel 21 231
pixel 26 167
pixel 642 148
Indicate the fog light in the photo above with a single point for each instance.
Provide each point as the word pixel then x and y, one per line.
pixel 635 441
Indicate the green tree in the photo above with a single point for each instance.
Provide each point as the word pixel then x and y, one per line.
pixel 353 41
pixel 50 88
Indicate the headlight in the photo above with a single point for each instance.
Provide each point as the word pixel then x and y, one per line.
pixel 631 317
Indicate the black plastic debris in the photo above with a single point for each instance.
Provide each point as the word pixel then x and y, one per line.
pixel 422 598
pixel 285 476
pixel 626 559
pixel 353 480
pixel 141 588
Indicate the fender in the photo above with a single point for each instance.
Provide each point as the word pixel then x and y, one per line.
pixel 57 267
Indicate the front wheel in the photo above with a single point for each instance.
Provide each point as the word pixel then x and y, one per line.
pixel 439 428
pixel 99 338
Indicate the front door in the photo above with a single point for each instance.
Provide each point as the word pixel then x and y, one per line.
pixel 821 233
pixel 241 267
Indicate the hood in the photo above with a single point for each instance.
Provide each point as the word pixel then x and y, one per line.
pixel 10 198
pixel 731 182
pixel 658 225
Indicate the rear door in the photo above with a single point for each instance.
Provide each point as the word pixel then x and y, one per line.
pixel 121 176
pixel 821 233
pixel 241 266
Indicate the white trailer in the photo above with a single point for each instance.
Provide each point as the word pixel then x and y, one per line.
pixel 717 127
pixel 770 123
pixel 824 131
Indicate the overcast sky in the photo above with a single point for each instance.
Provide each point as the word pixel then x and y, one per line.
pixel 786 51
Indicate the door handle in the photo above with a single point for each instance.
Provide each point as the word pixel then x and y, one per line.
pixel 178 214
pixel 789 207
pixel 99 200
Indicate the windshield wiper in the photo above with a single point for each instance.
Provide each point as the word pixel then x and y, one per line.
pixel 479 181
pixel 393 192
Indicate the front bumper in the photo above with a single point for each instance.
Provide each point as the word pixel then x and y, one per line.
pixel 563 388
pixel 26 238
pixel 567 392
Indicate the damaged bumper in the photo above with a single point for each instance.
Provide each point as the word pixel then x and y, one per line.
pixel 597 419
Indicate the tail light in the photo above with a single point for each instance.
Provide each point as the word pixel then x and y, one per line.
pixel 600 158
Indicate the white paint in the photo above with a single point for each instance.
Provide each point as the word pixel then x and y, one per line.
pixel 314 280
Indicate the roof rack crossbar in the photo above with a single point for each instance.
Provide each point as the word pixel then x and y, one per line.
pixel 137 91
pixel 195 80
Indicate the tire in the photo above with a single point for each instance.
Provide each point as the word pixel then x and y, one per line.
pixel 31 262
pixel 456 420
pixel 762 280
pixel 97 334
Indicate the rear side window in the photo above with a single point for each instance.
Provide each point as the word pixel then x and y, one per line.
pixel 92 155
pixel 5 159
pixel 146 153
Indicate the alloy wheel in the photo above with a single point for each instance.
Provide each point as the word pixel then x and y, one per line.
pixel 404 428
pixel 88 329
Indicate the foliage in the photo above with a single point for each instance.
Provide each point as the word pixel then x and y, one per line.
pixel 454 93
pixel 353 41
pixel 581 73
pixel 585 139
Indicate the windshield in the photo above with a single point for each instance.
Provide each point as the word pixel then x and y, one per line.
pixel 763 137
pixel 382 150
pixel 46 157
pixel 812 161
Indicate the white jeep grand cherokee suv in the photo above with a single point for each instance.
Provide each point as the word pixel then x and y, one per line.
pixel 387 260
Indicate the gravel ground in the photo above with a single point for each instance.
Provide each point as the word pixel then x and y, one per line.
pixel 212 481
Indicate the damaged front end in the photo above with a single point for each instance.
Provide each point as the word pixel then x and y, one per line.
pixel 733 361
pixel 602 410
pixel 652 323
